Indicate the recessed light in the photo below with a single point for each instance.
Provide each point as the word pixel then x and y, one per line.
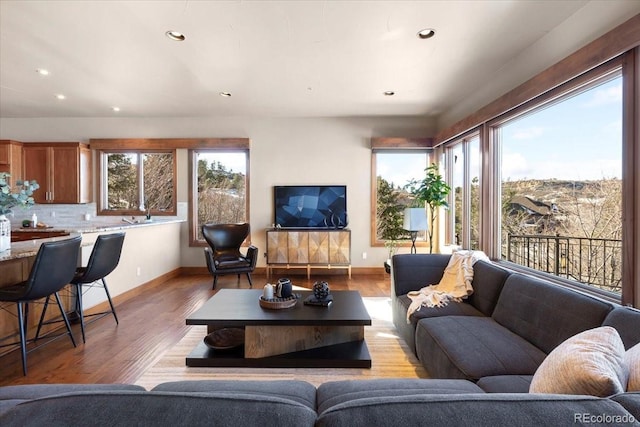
pixel 115 109
pixel 389 93
pixel 427 33
pixel 225 94
pixel 42 72
pixel 60 96
pixel 175 35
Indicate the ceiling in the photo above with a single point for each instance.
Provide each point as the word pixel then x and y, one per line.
pixel 275 58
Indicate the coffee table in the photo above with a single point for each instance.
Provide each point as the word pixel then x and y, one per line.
pixel 299 337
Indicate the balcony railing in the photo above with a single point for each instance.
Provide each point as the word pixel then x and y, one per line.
pixel 595 262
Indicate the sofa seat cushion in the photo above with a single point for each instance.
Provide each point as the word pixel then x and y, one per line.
pixel 471 347
pixel 125 408
pixel 506 383
pixel 451 309
pixel 297 391
pixel 336 392
pixel 478 410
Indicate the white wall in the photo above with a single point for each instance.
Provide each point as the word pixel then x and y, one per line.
pixel 283 151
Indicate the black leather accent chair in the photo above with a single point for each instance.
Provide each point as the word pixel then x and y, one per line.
pixel 223 256
pixel 53 268
pixel 104 258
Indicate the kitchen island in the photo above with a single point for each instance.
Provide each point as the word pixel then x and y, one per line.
pixel 151 252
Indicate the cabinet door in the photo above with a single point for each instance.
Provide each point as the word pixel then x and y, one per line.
pixel 339 247
pixel 35 160
pixel 5 150
pixel 65 171
pixel 15 160
pixel 298 247
pixel 277 247
pixel 318 247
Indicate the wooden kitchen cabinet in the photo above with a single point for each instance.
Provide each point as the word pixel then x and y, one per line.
pixel 63 171
pixel 11 159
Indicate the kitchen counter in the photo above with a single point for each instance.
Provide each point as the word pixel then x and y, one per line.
pixel 30 248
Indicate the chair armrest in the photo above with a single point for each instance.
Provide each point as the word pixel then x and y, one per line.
pixel 252 255
pixel 208 256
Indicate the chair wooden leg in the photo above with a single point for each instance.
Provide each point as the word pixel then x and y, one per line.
pixel 215 281
pixel 113 309
pixel 23 336
pixel 66 320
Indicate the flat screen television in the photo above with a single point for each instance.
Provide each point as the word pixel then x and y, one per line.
pixel 310 206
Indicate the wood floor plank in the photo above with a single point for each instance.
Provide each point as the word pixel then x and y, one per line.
pixel 152 320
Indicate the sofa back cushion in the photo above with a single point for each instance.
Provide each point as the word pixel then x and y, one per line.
pixel 411 272
pixel 488 280
pixel 546 314
pixel 129 408
pixel 626 320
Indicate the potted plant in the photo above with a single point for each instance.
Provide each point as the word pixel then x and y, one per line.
pixel 21 195
pixel 431 191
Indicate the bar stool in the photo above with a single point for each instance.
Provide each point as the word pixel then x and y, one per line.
pixel 53 268
pixel 104 258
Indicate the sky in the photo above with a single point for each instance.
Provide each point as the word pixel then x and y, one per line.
pixel 236 162
pixel 577 139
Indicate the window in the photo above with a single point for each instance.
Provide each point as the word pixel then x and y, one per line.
pixel 134 182
pixel 392 169
pixel 561 185
pixel 219 188
pixel 463 163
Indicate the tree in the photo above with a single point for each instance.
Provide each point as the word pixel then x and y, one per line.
pixel 122 182
pixel 389 215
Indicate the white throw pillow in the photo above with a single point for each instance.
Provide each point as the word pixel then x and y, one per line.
pixel 589 363
pixel 632 360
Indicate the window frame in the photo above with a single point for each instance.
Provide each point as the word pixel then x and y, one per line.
pixel 102 203
pixel 193 189
pixel 463 142
pixel 389 146
pixel 490 176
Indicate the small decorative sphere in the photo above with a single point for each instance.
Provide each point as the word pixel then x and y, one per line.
pixel 321 290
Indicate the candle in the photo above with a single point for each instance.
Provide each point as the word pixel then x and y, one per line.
pixel 268 291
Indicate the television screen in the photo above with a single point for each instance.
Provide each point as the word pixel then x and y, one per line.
pixel 310 206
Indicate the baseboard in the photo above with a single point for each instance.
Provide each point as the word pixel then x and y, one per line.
pixel 360 271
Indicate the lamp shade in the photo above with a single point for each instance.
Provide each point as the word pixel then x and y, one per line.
pixel 415 219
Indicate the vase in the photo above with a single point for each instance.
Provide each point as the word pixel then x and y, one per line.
pixel 5 233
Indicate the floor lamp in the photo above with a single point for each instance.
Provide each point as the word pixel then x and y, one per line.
pixel 415 219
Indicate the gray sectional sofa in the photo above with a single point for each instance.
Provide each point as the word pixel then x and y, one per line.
pixel 480 353
pixel 382 402
pixel 500 335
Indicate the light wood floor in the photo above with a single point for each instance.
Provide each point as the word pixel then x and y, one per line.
pixel 152 319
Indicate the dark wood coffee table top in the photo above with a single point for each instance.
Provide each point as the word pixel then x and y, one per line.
pixel 240 307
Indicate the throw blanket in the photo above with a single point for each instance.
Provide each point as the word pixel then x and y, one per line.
pixel 455 284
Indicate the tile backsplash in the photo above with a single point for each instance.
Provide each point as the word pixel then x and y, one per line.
pixel 61 216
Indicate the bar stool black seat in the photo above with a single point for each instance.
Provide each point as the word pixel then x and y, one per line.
pixel 104 258
pixel 53 268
